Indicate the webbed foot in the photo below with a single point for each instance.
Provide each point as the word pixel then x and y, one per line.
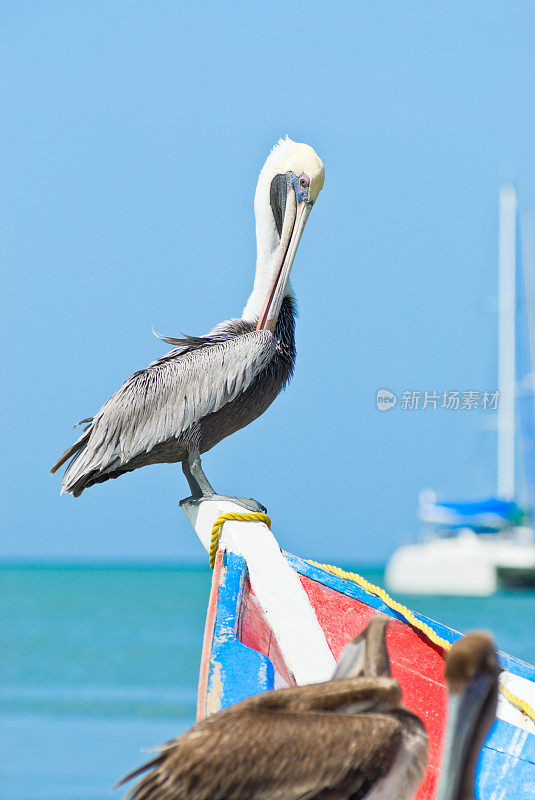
pixel 248 503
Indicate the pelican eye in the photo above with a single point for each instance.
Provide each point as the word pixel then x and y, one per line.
pixel 304 181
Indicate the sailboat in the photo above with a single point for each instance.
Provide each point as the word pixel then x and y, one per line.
pixel 476 547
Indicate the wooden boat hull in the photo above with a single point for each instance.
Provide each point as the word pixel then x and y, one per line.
pixel 242 657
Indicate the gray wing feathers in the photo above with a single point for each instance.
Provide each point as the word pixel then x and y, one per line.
pixel 169 397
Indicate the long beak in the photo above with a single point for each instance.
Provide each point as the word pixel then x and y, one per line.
pixel 465 710
pixel 295 217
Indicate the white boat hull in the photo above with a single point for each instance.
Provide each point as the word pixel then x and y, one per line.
pixel 465 564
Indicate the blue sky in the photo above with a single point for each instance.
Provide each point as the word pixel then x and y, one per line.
pixel 135 135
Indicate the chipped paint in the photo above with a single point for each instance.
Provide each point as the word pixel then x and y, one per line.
pixel 215 692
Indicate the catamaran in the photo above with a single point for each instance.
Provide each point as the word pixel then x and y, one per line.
pixel 476 547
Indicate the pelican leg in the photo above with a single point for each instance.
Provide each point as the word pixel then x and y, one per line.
pixel 202 489
pixel 196 491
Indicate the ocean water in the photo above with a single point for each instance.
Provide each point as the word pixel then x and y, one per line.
pixel 100 664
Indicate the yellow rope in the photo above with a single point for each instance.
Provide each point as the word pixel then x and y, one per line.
pixel 248 516
pixel 407 614
pixel 518 702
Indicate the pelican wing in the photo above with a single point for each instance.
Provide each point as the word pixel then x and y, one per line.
pixel 279 755
pixel 167 398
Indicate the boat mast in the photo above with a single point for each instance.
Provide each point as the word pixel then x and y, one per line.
pixel 506 343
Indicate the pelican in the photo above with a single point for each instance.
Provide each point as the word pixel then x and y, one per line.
pixel 208 387
pixel 472 674
pixel 346 738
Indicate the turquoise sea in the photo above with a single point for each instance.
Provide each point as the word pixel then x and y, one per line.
pixel 100 662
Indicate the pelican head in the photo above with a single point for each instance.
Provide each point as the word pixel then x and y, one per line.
pixel 288 186
pixel 472 675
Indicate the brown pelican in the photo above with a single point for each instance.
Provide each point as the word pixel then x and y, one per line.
pixel 346 738
pixel 210 386
pixel 472 674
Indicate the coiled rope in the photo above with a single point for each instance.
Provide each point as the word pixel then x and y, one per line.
pixel 250 516
pixel 403 611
